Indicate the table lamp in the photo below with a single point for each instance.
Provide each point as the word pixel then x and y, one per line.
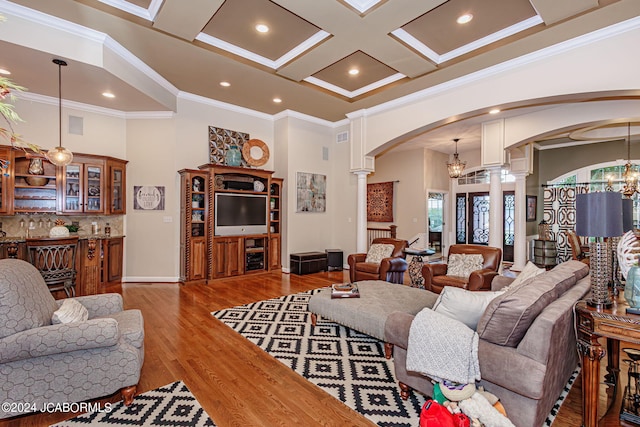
pixel 599 215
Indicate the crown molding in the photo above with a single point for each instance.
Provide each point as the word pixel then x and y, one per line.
pixel 224 105
pixel 557 49
pixel 310 119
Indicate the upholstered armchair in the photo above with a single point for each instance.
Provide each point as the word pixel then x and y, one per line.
pixel 384 261
pixel 470 267
pixel 76 361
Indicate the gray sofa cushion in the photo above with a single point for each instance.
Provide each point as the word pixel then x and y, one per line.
pixel 507 318
pixel 25 300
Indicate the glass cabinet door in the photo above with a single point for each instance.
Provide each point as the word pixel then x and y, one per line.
pixel 94 188
pixel 73 190
pixel 117 189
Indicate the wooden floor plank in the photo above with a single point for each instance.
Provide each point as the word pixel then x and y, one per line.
pixel 237 383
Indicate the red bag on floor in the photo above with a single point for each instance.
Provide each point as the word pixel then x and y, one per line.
pixel 434 414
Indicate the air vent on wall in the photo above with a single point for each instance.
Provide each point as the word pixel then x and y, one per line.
pixel 342 137
pixel 76 125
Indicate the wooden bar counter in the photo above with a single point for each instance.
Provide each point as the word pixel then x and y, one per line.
pixel 98 258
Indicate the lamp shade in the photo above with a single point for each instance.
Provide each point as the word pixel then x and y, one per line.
pixel 627 215
pixel 599 214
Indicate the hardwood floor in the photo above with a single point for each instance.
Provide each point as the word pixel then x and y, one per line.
pixel 237 383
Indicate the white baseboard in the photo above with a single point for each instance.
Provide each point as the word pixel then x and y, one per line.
pixel 143 279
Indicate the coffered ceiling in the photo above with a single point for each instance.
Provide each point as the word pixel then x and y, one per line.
pixel 323 58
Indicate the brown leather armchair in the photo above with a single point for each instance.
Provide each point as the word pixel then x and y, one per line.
pixel 390 269
pixel 436 278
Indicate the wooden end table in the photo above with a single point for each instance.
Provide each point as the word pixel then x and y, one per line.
pixel 591 324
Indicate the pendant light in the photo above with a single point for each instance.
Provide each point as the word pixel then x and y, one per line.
pixel 456 167
pixel 630 175
pixel 59 155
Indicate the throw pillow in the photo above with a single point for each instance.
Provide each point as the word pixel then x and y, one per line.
pixel 70 311
pixel 463 305
pixel 508 316
pixel 378 252
pixel 463 265
pixel 530 270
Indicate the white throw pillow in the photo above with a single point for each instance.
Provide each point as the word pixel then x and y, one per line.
pixel 530 270
pixel 70 311
pixel 378 252
pixel 463 305
pixel 463 265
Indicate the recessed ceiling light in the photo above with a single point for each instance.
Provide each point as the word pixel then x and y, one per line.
pixel 262 28
pixel 354 71
pixel 277 100
pixel 5 72
pixel 494 111
pixel 225 84
pixel 463 19
pixel 108 95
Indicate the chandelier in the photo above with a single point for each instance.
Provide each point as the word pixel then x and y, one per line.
pixel 59 155
pixel 456 167
pixel 630 174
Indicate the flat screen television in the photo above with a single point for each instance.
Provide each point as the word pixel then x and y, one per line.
pixel 239 214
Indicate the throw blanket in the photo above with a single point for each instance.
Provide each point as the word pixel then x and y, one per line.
pixel 443 348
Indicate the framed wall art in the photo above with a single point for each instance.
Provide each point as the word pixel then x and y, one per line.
pixel 148 197
pixel 221 141
pixel 532 207
pixel 311 192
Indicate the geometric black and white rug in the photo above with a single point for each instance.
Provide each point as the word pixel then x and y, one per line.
pixel 345 363
pixel 171 405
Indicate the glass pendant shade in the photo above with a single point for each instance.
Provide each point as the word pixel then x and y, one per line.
pixel 456 167
pixel 59 156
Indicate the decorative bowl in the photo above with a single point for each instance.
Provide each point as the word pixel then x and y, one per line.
pixel 36 181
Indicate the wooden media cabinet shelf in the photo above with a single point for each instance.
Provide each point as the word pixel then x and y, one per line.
pixel 208 252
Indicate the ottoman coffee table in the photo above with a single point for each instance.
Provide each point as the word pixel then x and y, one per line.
pixel 368 314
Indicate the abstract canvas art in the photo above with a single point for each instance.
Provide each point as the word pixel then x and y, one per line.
pixel 311 190
pixel 219 142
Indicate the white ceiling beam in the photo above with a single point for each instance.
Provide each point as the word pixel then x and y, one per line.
pixel 553 11
pixel 185 22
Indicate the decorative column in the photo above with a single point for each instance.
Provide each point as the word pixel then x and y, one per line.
pixel 520 223
pixel 496 219
pixel 361 212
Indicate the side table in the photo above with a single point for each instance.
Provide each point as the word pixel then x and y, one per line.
pixel 591 324
pixel 416 264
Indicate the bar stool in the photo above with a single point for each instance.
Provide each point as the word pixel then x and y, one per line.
pixel 55 259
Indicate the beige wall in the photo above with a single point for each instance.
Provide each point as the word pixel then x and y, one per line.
pixel 302 143
pixel 102 134
pixel 417 171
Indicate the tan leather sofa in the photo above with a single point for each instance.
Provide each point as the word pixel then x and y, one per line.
pixel 436 278
pixel 390 269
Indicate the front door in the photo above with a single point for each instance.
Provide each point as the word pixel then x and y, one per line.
pixel 478 214
pixel 509 214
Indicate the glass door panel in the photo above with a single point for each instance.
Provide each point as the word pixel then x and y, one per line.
pixel 72 197
pixel 94 189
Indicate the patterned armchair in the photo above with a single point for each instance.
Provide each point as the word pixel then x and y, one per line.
pixel 43 362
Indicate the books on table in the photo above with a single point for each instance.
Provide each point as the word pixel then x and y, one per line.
pixel 345 290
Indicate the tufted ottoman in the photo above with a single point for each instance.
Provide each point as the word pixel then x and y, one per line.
pixel 369 313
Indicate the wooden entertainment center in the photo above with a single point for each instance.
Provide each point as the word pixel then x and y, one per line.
pixel 216 243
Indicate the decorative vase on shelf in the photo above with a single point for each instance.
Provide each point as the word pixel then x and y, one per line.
pixel 36 168
pixel 632 287
pixel 59 230
pixel 233 156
